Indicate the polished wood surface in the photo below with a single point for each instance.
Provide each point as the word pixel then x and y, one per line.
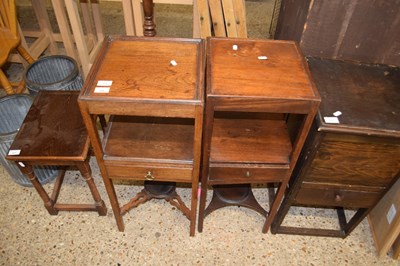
pixel 156 108
pixel 248 136
pixel 352 163
pixel 137 68
pixel 53 133
pixel 231 135
pixel 282 75
pixel 57 136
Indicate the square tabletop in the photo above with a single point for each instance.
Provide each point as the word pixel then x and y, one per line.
pixel 257 68
pixel 364 97
pixel 152 69
pixel 53 129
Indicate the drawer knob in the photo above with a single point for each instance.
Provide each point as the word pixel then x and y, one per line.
pixel 248 174
pixel 338 197
pixel 149 176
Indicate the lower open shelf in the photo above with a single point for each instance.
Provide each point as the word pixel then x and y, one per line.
pixel 149 148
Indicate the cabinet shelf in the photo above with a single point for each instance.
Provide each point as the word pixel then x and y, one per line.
pixel 250 141
pixel 147 139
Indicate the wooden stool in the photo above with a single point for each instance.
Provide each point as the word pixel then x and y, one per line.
pixel 53 133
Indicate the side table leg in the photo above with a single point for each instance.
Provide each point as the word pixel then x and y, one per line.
pixel 28 171
pixel 86 172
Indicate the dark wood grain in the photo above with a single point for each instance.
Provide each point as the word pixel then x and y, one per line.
pixel 353 163
pixel 56 136
pixel 368 95
pixel 360 30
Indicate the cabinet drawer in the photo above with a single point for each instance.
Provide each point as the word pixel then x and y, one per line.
pixel 175 174
pixel 236 175
pixel 332 197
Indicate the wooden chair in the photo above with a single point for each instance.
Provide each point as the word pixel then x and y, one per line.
pixel 10 41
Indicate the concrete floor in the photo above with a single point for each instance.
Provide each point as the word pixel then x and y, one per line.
pixel 156 233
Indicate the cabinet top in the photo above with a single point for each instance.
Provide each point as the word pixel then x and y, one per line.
pixel 257 68
pixel 366 95
pixel 140 68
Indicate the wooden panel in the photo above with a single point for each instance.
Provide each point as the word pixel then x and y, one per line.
pixel 361 30
pixel 355 163
pixel 250 174
pixel 384 220
pixel 324 25
pixel 127 171
pixel 292 17
pixel 230 22
pixel 217 16
pixel 373 32
pixel 202 18
pixel 240 18
pixel 250 141
pixel 336 198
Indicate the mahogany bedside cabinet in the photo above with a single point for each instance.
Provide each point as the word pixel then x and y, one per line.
pixel 352 155
pixel 53 133
pixel 255 90
pixel 152 89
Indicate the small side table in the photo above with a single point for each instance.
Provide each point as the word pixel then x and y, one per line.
pixel 153 91
pixel 53 133
pixel 260 104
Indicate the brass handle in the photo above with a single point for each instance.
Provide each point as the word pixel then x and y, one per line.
pixel 149 176
pixel 247 173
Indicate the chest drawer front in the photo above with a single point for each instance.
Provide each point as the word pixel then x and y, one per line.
pixel 336 197
pixel 174 174
pixel 346 159
pixel 236 175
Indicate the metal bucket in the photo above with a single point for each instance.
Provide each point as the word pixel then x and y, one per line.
pixel 55 72
pixel 13 109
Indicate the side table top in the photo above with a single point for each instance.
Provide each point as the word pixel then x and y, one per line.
pixel 366 95
pixel 152 69
pixel 53 129
pixel 258 68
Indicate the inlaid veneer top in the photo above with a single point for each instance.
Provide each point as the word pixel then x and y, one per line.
pixel 147 68
pixel 257 68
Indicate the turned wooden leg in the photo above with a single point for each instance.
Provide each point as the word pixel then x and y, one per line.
pixel 86 172
pixel 28 171
pixel 149 28
pixel 5 83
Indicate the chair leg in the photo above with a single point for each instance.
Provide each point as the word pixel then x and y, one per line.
pixel 24 53
pixel 5 83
